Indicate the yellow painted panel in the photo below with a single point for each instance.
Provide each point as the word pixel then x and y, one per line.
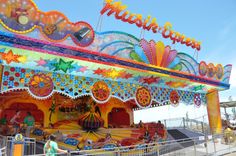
pixel 213 109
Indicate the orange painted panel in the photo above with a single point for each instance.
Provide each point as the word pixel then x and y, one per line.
pixel 18 150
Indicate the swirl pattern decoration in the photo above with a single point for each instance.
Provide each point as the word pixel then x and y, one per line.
pixel 100 91
pixel 174 97
pixel 143 97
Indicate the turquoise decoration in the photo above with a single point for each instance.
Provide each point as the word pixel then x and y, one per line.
pixel 175 62
pixel 50 63
pixel 141 53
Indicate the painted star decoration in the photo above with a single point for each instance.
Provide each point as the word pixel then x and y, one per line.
pixel 125 75
pixel 150 80
pixel 22 59
pixel 112 73
pixel 41 62
pixel 98 71
pixel 50 63
pixel 10 57
pixel 78 68
pixel 63 65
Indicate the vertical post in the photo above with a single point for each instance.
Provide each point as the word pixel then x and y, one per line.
pixel 165 123
pixel 202 128
pixel 206 141
pixel 226 115
pixel 158 149
pixel 214 144
pixel 213 109
pixel 195 151
pixel 184 123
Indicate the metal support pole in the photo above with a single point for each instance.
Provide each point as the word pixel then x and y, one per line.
pixel 214 145
pixel 184 123
pixel 195 151
pixel 206 141
pixel 165 123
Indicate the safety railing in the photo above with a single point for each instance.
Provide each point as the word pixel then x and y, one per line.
pixel 2 141
pixel 3 151
pixel 198 146
pixel 3 145
pixel 29 145
pixel 197 124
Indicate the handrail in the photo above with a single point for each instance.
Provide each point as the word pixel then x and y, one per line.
pixel 3 151
pixel 154 147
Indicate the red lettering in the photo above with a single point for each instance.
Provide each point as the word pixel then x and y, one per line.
pixel 138 21
pixel 130 20
pixel 173 36
pixel 188 42
pixel 110 8
pixel 164 33
pixel 154 28
pixel 198 45
pixel 182 38
pixel 145 23
pixel 123 16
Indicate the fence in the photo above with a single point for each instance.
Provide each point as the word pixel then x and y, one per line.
pixel 198 146
pixel 199 124
pixel 2 145
pixel 29 145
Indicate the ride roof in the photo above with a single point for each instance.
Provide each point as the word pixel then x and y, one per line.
pixel 48 42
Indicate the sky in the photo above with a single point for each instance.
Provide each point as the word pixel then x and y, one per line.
pixel 213 22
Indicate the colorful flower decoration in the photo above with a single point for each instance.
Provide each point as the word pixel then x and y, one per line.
pixel 143 97
pixel 174 97
pixel 202 68
pixel 41 85
pixel 156 53
pixel 197 100
pixel 100 91
pixel 219 71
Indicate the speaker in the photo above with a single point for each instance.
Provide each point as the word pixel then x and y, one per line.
pixel 79 35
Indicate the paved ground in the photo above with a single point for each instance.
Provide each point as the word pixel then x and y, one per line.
pixel 232 154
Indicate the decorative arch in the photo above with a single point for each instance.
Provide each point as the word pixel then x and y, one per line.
pixel 118 117
pixel 24 97
pixel 114 103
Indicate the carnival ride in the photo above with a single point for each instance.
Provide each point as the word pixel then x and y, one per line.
pixel 84 85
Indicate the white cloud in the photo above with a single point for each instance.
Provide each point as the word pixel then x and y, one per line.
pixel 232 80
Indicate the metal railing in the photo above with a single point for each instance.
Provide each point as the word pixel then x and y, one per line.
pixel 199 124
pixel 198 146
pixel 28 143
pixel 3 145
pixel 3 151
